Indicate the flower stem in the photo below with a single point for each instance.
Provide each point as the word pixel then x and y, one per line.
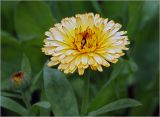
pixel 84 106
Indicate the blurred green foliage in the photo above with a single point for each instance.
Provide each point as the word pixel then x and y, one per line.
pixel 136 75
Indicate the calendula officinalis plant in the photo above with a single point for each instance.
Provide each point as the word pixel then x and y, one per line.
pixel 79 58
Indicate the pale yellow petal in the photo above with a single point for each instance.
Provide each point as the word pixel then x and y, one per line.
pixel 97 58
pixel 52 63
pixel 99 67
pixel 84 59
pixel 80 71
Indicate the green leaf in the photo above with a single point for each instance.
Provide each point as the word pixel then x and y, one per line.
pixel 11 48
pixel 150 8
pixel 37 61
pixel 35 81
pixel 13 95
pixel 97 7
pixel 59 8
pixel 7 15
pixel 32 19
pixel 106 93
pixel 59 93
pixel 140 13
pixel 13 106
pixel 114 10
pixel 11 56
pixel 43 104
pixel 37 106
pixel 42 111
pixel 132 65
pixel 25 66
pixel 134 17
pixel 110 91
pixel 116 105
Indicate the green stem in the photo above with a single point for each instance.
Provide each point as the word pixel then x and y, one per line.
pixel 84 106
pixel 26 100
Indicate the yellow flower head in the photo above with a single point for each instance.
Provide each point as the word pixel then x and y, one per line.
pixel 83 41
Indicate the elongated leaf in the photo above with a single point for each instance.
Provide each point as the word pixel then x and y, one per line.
pixel 97 7
pixel 59 93
pixel 36 81
pixel 7 94
pixel 116 105
pixel 32 19
pixel 25 66
pixel 150 8
pixel 60 8
pixel 11 57
pixel 7 15
pixel 114 10
pixel 135 13
pixel 37 106
pixel 105 93
pixel 43 104
pixel 36 57
pixel 44 112
pixel 13 106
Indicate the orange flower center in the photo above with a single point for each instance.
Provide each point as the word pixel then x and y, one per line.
pixel 85 41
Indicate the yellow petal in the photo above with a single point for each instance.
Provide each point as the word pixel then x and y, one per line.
pixel 84 59
pixel 80 71
pixel 52 63
pixel 99 67
pixel 97 58
pixel 77 60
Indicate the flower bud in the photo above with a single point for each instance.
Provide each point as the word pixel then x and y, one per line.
pixel 19 81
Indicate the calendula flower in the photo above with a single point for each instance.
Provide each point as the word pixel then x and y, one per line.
pixel 83 41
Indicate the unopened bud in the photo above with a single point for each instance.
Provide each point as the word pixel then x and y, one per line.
pixel 19 81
